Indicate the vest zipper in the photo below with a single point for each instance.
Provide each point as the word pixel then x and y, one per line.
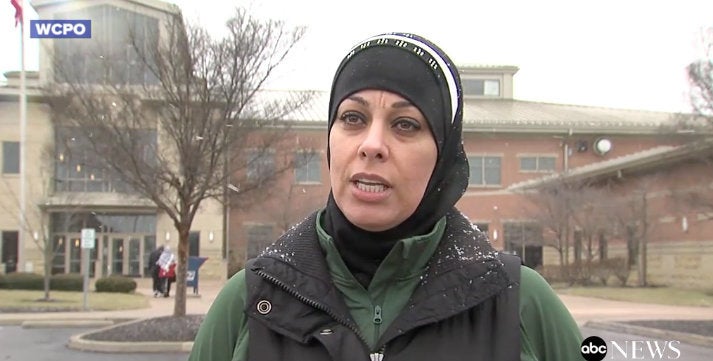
pixel 312 303
pixel 379 355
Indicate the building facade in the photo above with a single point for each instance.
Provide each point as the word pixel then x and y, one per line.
pixel 62 193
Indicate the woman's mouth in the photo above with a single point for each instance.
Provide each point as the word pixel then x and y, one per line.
pixel 370 186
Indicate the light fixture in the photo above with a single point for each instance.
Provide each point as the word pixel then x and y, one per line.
pixel 495 235
pixel 35 235
pixel 684 224
pixel 168 235
pixel 602 146
pixel 210 236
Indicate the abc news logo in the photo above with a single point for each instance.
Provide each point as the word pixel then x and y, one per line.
pixel 61 29
pixel 595 349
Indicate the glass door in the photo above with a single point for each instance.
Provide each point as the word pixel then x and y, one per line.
pixel 105 264
pixel 75 255
pixel 135 257
pixel 117 255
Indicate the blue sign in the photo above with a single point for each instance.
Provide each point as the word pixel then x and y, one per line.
pixel 61 29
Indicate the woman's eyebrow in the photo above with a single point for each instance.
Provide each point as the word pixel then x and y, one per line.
pixel 402 104
pixel 358 99
pixel 364 102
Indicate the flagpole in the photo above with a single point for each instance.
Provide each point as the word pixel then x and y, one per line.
pixel 22 231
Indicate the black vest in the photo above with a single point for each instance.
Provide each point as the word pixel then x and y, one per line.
pixel 465 308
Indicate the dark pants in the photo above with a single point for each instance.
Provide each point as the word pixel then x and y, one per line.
pixel 157 286
pixel 166 285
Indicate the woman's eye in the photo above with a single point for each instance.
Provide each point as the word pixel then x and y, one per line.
pixel 406 125
pixel 351 119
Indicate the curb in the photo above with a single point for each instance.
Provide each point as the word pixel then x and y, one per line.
pixel 78 342
pixel 59 322
pixel 66 323
pixel 689 338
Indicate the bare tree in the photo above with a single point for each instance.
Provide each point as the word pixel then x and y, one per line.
pixel 187 114
pixel 636 216
pixel 700 76
pixel 552 208
pixel 590 216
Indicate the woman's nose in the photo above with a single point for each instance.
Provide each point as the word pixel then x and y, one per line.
pixel 374 144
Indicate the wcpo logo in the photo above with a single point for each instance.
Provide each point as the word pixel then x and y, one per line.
pixel 61 29
pixel 595 349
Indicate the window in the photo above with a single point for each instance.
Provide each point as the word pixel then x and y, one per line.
pixel 11 157
pixel 537 164
pixel 308 167
pixel 194 243
pixel 261 164
pixel 484 170
pixel 8 251
pixel 109 56
pixel 259 237
pixel 481 87
pixel 525 240
pixel 79 168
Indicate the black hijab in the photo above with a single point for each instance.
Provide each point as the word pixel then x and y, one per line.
pixel 419 71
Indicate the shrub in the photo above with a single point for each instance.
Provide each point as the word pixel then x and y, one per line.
pixel 116 284
pixel 588 273
pixel 67 282
pixel 22 281
pixel 613 267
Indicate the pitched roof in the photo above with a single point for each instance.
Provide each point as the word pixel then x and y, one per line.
pixel 507 115
pixel 503 115
pixel 647 159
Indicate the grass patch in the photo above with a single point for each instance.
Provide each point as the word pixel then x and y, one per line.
pixel 32 301
pixel 655 295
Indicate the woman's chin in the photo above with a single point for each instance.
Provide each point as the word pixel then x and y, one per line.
pixel 371 220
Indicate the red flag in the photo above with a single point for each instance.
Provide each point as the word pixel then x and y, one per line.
pixel 18 11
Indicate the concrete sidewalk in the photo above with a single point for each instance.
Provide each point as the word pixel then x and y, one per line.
pixel 585 309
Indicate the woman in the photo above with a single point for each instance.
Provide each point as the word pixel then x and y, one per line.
pixel 389 269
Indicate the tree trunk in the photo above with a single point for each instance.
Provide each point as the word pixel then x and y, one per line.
pixel 642 243
pixel 48 250
pixel 179 308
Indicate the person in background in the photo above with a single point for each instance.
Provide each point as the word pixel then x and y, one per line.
pixel 389 268
pixel 167 270
pixel 154 269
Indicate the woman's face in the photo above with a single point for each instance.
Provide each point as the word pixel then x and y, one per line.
pixel 382 154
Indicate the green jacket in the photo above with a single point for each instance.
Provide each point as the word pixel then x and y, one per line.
pixel 545 335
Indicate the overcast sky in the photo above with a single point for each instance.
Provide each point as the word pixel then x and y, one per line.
pixel 612 53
